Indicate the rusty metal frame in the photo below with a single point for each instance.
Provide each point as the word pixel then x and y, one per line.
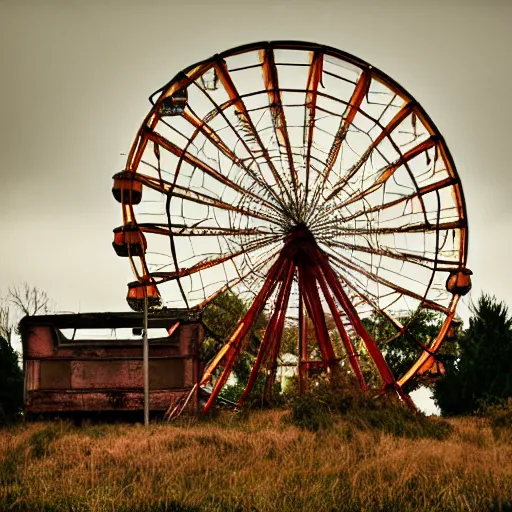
pixel 374 212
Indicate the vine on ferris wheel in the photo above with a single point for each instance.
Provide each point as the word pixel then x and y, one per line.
pixel 307 182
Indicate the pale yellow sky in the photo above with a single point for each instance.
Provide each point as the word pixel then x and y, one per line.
pixel 76 77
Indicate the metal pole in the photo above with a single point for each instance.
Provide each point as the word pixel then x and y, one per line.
pixel 145 363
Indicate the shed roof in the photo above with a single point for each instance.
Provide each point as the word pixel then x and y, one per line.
pixel 111 320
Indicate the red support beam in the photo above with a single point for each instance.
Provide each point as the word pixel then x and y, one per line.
pixel 352 356
pixel 232 348
pixel 303 342
pixel 373 350
pixel 302 253
pixel 274 329
pixel 276 337
pixel 354 319
pixel 316 313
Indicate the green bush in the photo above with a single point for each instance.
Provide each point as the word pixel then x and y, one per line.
pixel 329 402
pixel 479 377
pixel 232 392
pixel 500 419
pixel 256 399
pixel 11 384
pixel 309 413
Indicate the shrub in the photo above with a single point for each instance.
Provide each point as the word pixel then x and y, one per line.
pixel 309 413
pixel 11 384
pixel 480 376
pixel 343 401
pixel 256 399
pixel 500 419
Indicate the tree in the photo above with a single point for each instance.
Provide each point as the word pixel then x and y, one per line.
pixel 6 323
pixel 290 337
pixel 20 301
pixel 11 383
pixel 401 350
pixel 220 318
pixel 29 300
pixel 482 372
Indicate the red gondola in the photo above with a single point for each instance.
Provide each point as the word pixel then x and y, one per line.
pixel 137 292
pixel 459 282
pixel 129 241
pixel 126 189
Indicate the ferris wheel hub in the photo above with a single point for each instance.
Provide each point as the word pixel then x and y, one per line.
pixel 300 236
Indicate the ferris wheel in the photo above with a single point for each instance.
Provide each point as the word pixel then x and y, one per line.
pixel 310 184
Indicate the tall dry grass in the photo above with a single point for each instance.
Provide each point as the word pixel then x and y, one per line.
pixel 255 462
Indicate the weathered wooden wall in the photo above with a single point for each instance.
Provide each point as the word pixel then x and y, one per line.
pixel 65 376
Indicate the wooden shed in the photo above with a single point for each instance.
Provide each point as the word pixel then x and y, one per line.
pixel 91 363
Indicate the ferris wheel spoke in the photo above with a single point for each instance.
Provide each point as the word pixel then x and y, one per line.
pixel 217 141
pixel 409 228
pixel 405 111
pixel 356 285
pixel 415 259
pixel 278 116
pixel 367 297
pixel 371 299
pixel 343 263
pixel 241 109
pixel 397 324
pixel 314 79
pixel 258 272
pixel 360 91
pixel 196 162
pixel 240 279
pixel 385 173
pixel 162 277
pixel 170 189
pixel 199 230
pixel 439 185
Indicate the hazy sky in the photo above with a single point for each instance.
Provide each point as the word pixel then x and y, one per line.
pixel 76 77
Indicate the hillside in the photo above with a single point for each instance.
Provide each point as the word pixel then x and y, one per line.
pixel 255 462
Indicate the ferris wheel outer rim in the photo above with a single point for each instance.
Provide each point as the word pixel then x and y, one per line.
pixel 151 119
pixel 309 46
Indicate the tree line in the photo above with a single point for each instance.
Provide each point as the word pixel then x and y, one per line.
pixel 19 301
pixel 477 362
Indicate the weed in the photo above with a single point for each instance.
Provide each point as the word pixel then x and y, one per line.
pixel 325 404
pixel 41 440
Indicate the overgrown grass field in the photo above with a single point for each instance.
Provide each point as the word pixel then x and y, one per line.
pixel 259 461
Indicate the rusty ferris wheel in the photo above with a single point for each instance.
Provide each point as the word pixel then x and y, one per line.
pixel 309 183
